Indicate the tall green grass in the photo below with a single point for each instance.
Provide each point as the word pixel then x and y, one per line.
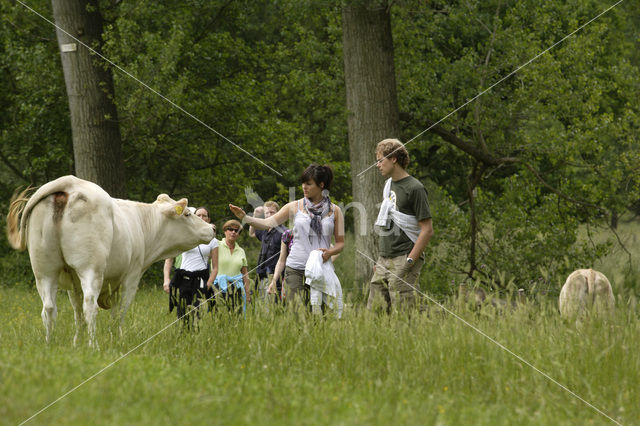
pixel 287 367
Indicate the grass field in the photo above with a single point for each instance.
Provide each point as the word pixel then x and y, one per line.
pixel 290 368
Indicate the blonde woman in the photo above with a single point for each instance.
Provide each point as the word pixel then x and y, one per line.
pixel 232 280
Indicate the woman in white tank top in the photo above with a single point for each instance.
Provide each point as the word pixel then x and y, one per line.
pixel 315 221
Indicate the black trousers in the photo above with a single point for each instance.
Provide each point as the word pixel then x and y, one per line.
pixel 187 288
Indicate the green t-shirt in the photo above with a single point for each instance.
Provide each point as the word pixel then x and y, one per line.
pixel 410 197
pixel 230 263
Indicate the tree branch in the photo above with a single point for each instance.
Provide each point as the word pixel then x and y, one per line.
pixel 621 243
pixel 489 160
pixel 13 168
pixel 206 29
pixel 467 147
pixel 556 191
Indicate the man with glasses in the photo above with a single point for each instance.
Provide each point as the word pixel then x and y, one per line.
pixel 405 228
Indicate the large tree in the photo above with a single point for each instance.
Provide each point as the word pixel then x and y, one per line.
pixel 89 83
pixel 372 112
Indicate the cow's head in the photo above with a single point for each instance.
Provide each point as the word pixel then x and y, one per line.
pixel 182 230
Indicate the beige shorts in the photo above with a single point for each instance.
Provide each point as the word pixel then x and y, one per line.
pixel 394 284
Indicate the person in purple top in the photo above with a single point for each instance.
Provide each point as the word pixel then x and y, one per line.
pixel 269 249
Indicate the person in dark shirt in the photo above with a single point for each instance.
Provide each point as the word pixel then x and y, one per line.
pixel 269 250
pixel 405 228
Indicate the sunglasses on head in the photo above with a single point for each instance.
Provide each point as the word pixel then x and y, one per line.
pixel 236 230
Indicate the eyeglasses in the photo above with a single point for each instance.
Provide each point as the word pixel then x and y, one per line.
pixel 236 230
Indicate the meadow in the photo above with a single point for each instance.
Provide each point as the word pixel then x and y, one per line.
pixel 287 367
pixel 279 367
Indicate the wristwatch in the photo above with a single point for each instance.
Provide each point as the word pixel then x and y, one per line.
pixel 409 261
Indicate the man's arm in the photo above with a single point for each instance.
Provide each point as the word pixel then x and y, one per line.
pixel 166 269
pixel 282 259
pixel 426 232
pixel 214 267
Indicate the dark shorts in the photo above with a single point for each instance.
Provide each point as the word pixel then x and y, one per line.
pixel 295 288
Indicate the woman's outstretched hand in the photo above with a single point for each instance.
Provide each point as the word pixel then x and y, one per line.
pixel 237 211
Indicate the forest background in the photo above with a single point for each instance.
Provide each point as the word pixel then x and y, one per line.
pixel 519 178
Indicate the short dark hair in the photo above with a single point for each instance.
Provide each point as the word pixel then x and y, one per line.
pixel 319 174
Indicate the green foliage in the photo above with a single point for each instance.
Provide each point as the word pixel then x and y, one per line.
pixel 571 115
pixel 35 139
pixel 251 71
pixel 447 253
pixel 521 224
pixel 268 75
pixel 620 264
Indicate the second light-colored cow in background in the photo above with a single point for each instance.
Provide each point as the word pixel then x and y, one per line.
pixel 586 291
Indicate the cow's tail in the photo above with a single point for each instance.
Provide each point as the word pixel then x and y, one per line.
pixel 16 232
pixel 22 205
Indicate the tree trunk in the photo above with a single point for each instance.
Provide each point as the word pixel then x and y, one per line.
pixel 614 220
pixel 474 180
pixel 373 115
pixel 94 124
pixel 474 231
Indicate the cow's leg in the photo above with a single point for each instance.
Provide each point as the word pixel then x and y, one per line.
pixel 115 319
pixel 47 288
pixel 46 261
pixel 129 288
pixel 75 297
pixel 91 281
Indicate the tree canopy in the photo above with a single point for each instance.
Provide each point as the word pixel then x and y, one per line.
pixel 512 175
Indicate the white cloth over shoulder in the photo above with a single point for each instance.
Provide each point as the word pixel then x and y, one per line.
pixel 324 282
pixel 388 212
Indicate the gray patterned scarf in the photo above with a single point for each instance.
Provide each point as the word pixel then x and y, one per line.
pixel 317 212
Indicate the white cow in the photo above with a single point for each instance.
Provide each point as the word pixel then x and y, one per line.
pixel 82 240
pixel 584 290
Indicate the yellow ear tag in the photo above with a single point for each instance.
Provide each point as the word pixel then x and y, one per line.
pixel 179 210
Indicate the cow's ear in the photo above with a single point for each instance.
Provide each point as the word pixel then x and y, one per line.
pixel 180 206
pixel 174 208
pixel 164 198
